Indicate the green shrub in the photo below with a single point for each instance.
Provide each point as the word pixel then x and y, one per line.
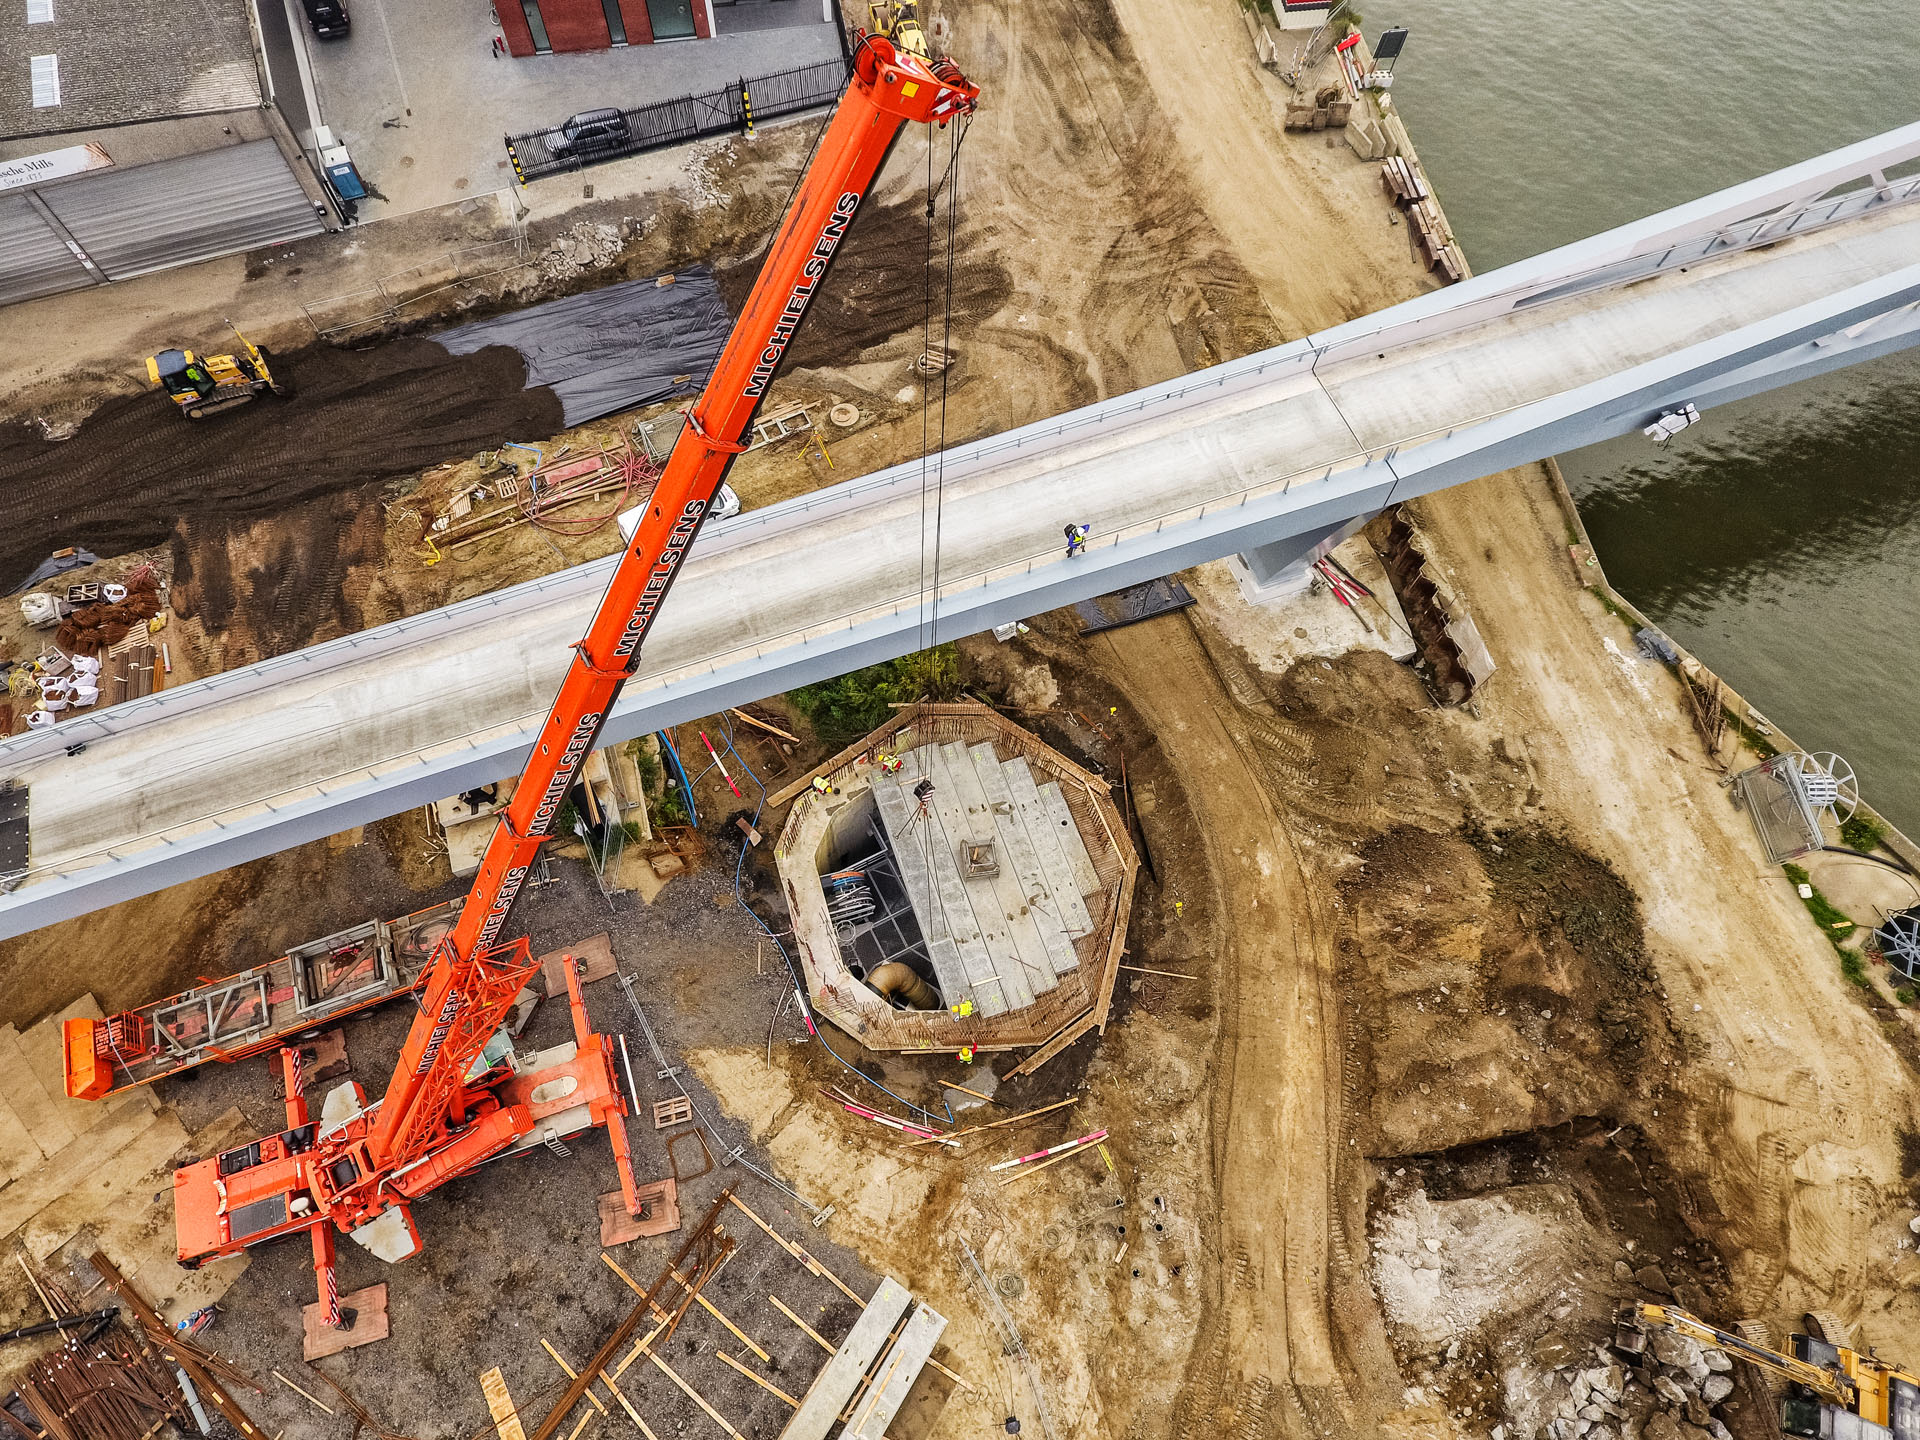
pixel 843 709
pixel 1863 833
pixel 1906 994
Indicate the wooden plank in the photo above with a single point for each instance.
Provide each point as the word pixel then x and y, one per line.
pixel 1019 955
pixel 1084 873
pixel 506 1415
pixel 627 1405
pixel 956 910
pixel 795 1250
pixel 817 1338
pixel 572 1374
pixel 1051 922
pixel 835 1383
pixel 1042 834
pixel 899 816
pixel 766 1385
pixel 694 1395
pixel 904 1364
pixel 700 1300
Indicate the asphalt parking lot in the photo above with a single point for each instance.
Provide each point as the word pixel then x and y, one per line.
pixel 421 102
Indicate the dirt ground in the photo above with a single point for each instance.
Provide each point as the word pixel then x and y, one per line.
pixel 1509 987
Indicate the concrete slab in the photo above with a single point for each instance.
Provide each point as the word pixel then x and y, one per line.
pixel 902 1365
pixel 319 1339
pixel 834 1385
pixel 27 1098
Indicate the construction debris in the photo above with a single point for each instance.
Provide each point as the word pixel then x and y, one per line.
pixel 579 248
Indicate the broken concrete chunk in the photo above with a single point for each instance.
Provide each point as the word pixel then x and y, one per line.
pixel 1716 1388
pixel 1669 1392
pixel 1717 1361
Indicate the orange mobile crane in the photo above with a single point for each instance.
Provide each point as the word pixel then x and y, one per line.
pixel 451 1105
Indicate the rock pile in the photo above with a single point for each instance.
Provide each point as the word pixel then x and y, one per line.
pixel 581 247
pixel 1669 1393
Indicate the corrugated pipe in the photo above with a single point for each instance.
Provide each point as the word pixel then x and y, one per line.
pixel 896 977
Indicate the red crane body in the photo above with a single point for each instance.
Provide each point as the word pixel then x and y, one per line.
pixel 446 1110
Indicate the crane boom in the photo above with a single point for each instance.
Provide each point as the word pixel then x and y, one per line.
pixel 888 89
pixel 447 1108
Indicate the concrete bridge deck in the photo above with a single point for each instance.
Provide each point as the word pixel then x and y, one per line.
pixel 1754 287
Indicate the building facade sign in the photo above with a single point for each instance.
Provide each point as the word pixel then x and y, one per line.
pixel 52 165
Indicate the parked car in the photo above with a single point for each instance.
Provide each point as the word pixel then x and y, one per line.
pixel 589 130
pixel 328 18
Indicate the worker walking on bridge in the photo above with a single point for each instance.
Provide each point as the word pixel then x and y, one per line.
pixel 1076 540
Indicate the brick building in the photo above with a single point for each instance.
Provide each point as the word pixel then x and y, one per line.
pixel 543 27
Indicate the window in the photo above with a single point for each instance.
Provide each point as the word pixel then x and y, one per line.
pixel 616 25
pixel 537 27
pixel 39 12
pixel 46 80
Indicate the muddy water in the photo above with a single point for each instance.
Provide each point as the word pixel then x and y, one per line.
pixel 1780 540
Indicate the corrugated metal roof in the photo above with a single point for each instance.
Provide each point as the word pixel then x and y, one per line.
pixel 33 260
pixel 154 217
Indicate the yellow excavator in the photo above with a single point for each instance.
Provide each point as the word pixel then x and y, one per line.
pixel 203 385
pixel 1832 1391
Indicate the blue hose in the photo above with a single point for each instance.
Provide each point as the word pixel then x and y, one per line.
pixel 686 785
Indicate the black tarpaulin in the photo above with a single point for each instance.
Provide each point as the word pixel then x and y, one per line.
pixel 612 349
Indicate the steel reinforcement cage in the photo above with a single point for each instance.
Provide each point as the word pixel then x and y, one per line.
pixel 733 109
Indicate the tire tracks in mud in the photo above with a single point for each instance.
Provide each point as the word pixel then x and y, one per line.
pixel 1269 1361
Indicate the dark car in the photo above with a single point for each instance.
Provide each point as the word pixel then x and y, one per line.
pixel 589 130
pixel 328 17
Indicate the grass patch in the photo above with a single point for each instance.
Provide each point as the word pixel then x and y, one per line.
pixel 1834 924
pixel 843 709
pixel 1863 833
pixel 1906 994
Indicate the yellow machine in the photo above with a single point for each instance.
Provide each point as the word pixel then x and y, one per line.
pixel 202 385
pixel 1832 1390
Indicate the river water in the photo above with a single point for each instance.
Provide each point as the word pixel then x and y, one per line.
pixel 1780 539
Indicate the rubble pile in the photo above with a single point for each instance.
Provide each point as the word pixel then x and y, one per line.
pixel 579 248
pixel 1670 1393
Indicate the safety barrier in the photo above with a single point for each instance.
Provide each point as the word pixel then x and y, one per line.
pixel 732 110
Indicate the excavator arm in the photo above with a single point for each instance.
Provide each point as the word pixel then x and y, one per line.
pixel 1827 1384
pixel 470 984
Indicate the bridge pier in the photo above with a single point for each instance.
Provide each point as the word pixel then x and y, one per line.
pixel 1283 568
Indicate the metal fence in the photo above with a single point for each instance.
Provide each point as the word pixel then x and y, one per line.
pixel 734 109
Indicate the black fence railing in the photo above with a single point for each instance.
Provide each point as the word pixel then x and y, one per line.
pixel 589 137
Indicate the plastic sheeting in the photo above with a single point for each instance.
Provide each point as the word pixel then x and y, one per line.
pixel 605 350
pixel 56 565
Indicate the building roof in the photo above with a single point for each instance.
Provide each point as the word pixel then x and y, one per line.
pixel 118 62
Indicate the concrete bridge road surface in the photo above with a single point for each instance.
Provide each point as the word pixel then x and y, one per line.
pixel 1759 285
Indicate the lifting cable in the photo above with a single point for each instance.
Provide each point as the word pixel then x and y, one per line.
pixel 949 181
